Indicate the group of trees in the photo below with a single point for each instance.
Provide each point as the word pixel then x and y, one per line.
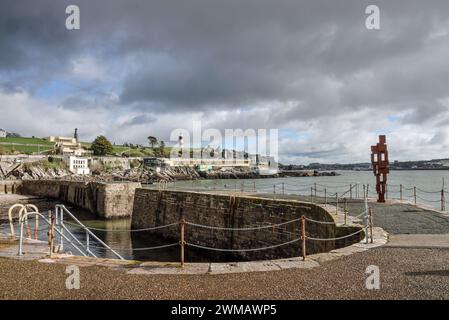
pixel 154 142
pixel 101 146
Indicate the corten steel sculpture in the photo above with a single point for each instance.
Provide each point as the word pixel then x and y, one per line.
pixel 379 160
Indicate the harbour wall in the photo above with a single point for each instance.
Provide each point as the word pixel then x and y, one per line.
pixel 10 186
pixel 154 208
pixel 107 200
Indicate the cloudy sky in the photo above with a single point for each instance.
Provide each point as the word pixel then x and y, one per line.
pixel 308 68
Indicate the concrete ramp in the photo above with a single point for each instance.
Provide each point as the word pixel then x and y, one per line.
pixel 418 241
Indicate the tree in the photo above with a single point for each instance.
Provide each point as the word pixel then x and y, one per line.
pixel 162 149
pixel 101 146
pixel 152 141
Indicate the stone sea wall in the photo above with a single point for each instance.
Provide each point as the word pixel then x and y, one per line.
pixel 10 186
pixel 107 200
pixel 160 207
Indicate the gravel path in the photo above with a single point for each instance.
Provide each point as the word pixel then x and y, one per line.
pixel 395 218
pixel 405 274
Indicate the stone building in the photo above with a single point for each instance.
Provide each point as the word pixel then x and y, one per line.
pixel 68 146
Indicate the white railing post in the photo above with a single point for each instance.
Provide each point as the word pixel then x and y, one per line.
pixel 21 237
pixel 87 242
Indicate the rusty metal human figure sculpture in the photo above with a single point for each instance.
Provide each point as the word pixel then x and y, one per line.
pixel 379 160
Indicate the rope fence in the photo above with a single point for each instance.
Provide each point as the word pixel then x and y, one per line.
pixel 300 230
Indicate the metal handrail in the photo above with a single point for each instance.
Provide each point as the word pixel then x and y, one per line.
pixel 22 220
pixel 60 210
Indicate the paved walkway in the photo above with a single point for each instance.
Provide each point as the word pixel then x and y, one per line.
pixel 393 217
pixel 419 241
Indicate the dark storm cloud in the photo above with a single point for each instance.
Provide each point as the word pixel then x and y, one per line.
pixel 225 53
pixel 288 63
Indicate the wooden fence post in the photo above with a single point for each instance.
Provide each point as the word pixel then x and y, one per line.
pixel 345 208
pixel 303 237
pixel 371 223
pixel 442 200
pixel 414 193
pixel 51 235
pixel 336 203
pixel 182 242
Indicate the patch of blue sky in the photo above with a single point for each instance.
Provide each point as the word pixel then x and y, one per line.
pixel 287 133
pixel 56 89
pixel 393 118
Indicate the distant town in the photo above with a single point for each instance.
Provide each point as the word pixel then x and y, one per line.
pixel 14 144
pixel 434 164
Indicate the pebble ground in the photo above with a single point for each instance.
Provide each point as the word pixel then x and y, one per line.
pixel 404 273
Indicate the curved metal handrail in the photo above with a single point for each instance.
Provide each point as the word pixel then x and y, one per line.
pixel 60 209
pixel 22 220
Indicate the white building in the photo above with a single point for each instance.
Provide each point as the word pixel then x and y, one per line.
pixel 2 133
pixel 78 165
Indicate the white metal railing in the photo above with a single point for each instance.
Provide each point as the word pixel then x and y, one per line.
pixel 60 211
pixel 65 234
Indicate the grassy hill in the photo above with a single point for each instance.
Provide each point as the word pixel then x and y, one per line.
pixel 12 145
pixel 24 145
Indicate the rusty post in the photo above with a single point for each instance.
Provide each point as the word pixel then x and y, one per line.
pixel 414 193
pixel 442 200
pixel 283 188
pixel 27 226
pixel 274 188
pixel 345 208
pixel 36 227
pixel 303 237
pixel 311 194
pixel 51 235
pixel 182 242
pixel 400 191
pixel 254 186
pixel 325 196
pixel 336 203
pixel 371 223
pixel 350 191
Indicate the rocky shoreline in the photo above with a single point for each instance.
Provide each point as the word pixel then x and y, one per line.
pixel 141 174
